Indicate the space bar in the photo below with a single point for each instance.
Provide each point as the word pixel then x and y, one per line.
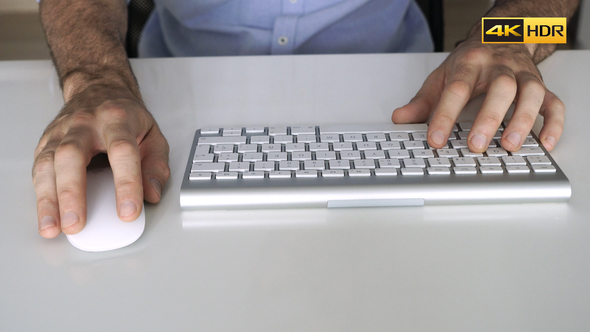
pixel 373 128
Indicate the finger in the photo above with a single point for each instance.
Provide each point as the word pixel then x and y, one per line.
pixel 454 97
pixel 500 95
pixel 553 111
pixel 48 217
pixel 71 157
pixel 531 93
pixel 423 103
pixel 155 170
pixel 125 161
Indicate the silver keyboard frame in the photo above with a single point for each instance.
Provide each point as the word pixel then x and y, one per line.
pixel 372 191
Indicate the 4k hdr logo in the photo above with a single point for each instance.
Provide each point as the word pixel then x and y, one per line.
pixel 517 30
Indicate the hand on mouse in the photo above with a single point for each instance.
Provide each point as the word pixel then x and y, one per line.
pixel 98 119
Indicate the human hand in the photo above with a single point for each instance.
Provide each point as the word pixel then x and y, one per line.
pixel 98 120
pixel 507 74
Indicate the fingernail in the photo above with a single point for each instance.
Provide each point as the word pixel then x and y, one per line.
pixel 514 138
pixel 127 208
pixel 438 138
pixel 156 184
pixel 68 219
pixel 549 142
pixel 47 222
pixel 479 142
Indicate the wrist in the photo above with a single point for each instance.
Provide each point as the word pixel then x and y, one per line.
pixel 80 79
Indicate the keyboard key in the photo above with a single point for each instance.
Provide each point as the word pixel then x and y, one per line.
pixel 513 160
pixel 468 153
pixel 342 146
pixel 325 155
pixel 464 161
pixel 414 162
pixel 203 158
pixel 439 162
pixel 277 131
pixel 423 153
pixel 333 173
pixel 399 137
pixel 306 174
pixel 314 164
pixel 496 152
pixel 353 137
pixel 319 147
pixel 254 130
pixel 489 161
pixel 491 170
pixel 239 166
pixel 276 156
pixel 389 163
pixel 253 175
pixel 252 156
pixel 412 171
pixel 302 156
pixel 259 139
pixel 288 165
pixel 359 173
pixel 228 157
pixel 303 130
pixel 306 138
pixel 529 142
pixel 459 144
pixel 200 176
pixel 279 174
pixel 538 160
pixel 438 170
pixel 210 131
pixel 375 154
pixel 350 155
pixel 385 172
pixel 366 146
pixel 339 164
pixel 267 147
pixel 411 145
pixel 447 153
pixel 517 169
pixel 465 170
pixel 226 176
pixel 223 148
pixel 207 167
pixel 544 169
pixel 232 131
pixel 398 154
pixel 329 138
pixel 283 139
pixel 295 147
pixel 222 140
pixel 376 137
pixel 364 164
pixel 202 149
pixel 390 145
pixel 243 148
pixel 529 151
pixel 264 165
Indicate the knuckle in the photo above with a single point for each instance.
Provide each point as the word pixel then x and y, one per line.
pixel 476 55
pixel 67 194
pixel 122 147
pixel 68 149
pixel 460 89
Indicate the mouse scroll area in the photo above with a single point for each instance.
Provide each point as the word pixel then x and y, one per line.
pixel 104 230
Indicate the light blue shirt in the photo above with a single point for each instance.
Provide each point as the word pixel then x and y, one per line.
pixel 262 27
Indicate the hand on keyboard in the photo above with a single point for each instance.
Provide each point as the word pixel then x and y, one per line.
pixel 507 73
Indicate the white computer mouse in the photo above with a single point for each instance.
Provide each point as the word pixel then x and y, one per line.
pixel 104 230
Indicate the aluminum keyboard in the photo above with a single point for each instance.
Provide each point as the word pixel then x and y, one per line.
pixel 248 159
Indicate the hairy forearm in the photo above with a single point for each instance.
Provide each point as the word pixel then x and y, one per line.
pixel 531 8
pixel 86 39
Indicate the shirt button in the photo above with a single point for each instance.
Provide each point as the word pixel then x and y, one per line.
pixel 283 40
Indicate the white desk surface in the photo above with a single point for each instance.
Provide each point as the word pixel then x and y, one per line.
pixel 458 268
